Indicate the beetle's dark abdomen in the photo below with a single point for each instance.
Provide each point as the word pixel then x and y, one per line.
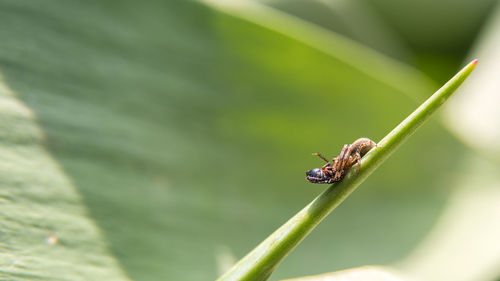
pixel 316 172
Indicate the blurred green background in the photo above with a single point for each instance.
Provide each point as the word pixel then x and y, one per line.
pixel 163 140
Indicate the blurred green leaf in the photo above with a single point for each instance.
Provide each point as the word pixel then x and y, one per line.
pixel 45 232
pixel 355 19
pixel 401 24
pixel 370 63
pixel 433 36
pixel 186 131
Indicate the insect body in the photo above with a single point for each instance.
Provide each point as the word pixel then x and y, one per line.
pixel 335 170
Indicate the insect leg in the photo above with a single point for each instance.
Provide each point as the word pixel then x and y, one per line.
pixel 339 167
pixel 357 159
pixel 321 156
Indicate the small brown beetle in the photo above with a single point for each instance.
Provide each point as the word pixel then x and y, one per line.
pixel 335 170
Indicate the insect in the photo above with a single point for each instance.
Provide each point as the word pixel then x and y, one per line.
pixel 335 170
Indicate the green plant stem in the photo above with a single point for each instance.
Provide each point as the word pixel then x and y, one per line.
pixel 261 261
